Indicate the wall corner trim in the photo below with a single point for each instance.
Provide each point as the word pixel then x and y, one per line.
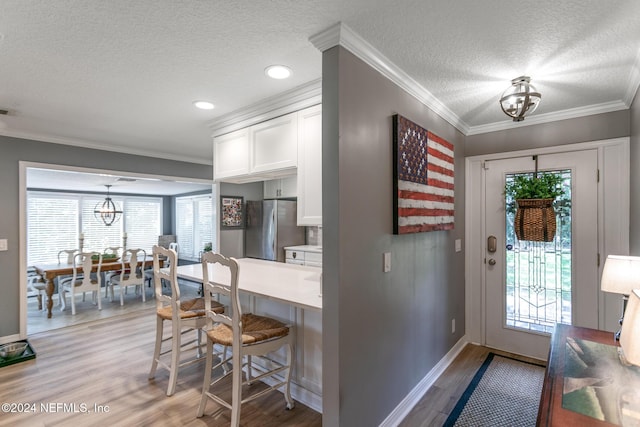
pixel 340 34
pixel 414 396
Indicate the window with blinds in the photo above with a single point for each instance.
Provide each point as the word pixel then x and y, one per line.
pixel 52 225
pixel 194 224
pixel 55 221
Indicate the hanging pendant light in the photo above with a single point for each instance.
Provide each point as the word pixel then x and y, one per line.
pixel 107 211
pixel 520 100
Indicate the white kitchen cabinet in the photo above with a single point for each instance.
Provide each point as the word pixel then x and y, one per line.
pixel 308 255
pixel 310 166
pixel 281 188
pixel 231 154
pixel 274 144
pixel 262 151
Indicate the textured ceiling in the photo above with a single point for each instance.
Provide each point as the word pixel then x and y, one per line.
pixel 122 74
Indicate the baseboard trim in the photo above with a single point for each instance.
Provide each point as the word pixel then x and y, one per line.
pixel 414 396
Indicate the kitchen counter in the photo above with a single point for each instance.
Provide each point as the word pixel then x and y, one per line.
pixel 291 284
pixel 305 248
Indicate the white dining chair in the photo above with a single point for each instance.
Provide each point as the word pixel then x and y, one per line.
pixel 84 279
pixel 131 273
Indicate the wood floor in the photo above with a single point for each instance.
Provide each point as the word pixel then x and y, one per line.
pixel 104 364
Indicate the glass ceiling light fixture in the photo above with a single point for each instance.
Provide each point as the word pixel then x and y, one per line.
pixel 278 72
pixel 107 211
pixel 520 100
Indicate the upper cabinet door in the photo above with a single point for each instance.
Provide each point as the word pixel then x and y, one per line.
pixel 310 166
pixel 274 144
pixel 231 154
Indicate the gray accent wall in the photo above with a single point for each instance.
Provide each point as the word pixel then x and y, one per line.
pixel 634 216
pixel 232 241
pixel 582 129
pixel 13 150
pixel 382 332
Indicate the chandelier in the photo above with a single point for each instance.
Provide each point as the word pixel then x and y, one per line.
pixel 107 211
pixel 520 100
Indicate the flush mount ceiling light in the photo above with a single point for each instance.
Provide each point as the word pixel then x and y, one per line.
pixel 520 99
pixel 107 211
pixel 278 72
pixel 203 105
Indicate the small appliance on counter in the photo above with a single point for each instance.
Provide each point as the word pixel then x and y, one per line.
pixel 271 225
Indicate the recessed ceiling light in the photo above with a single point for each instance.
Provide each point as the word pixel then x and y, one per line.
pixel 278 72
pixel 203 105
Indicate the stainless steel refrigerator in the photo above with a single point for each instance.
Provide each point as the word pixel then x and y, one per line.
pixel 271 225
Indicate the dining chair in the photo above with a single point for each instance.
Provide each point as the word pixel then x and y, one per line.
pixel 36 286
pixel 247 334
pixel 185 317
pixel 111 250
pixel 83 280
pixel 65 256
pixel 148 274
pixel 131 273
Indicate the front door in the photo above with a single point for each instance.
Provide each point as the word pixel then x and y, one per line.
pixel 530 286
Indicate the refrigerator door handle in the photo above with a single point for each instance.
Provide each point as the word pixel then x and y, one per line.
pixel 275 240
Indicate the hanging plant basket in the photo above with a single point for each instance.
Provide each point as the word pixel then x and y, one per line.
pixel 535 220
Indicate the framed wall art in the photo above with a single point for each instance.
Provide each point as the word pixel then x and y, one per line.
pixel 231 212
pixel 422 179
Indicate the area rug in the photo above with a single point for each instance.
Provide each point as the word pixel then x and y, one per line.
pixel 504 392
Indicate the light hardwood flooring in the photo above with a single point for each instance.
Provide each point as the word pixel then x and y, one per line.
pixel 105 363
pixel 104 360
pixel 87 311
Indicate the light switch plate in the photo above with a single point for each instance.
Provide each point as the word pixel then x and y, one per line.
pixel 458 245
pixel 386 261
pixel 3 245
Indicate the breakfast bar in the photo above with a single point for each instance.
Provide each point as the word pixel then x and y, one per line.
pixel 293 294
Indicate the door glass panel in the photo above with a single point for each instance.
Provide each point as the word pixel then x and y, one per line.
pixel 538 274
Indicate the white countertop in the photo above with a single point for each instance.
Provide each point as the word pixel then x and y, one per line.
pixel 292 284
pixel 304 248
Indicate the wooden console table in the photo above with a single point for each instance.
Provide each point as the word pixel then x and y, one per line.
pixel 585 361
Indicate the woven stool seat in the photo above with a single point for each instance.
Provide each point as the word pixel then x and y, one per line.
pixel 254 329
pixel 190 308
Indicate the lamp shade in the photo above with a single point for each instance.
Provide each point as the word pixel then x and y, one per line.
pixel 630 333
pixel 621 274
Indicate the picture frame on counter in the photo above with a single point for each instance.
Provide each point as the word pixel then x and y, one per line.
pixel 231 212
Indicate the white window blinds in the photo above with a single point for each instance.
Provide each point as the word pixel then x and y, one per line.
pixel 55 221
pixel 194 224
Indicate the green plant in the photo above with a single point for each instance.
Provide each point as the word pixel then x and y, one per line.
pixel 528 186
pixel 208 247
pixel 104 257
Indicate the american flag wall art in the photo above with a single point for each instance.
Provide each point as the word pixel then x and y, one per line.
pixel 423 179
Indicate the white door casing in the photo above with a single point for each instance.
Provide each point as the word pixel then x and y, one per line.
pixel 613 226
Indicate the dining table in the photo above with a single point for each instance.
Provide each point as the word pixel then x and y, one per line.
pixel 50 271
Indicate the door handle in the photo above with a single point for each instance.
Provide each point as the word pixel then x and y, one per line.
pixel 492 244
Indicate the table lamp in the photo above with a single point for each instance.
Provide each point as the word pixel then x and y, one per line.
pixel 630 333
pixel 621 274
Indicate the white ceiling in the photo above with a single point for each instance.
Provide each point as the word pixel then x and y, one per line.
pixel 87 182
pixel 122 74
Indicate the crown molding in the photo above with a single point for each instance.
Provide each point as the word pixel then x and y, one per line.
pixel 284 103
pixel 634 82
pixel 340 34
pixel 571 113
pixel 104 147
